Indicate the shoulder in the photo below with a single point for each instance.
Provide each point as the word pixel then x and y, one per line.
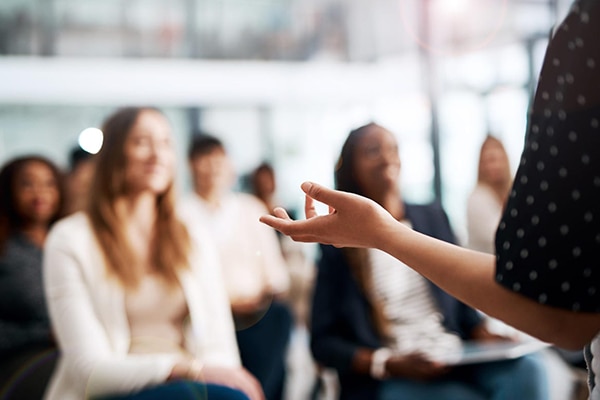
pixel 481 193
pixel 327 249
pixel 246 208
pixel 249 201
pixel 430 219
pixel 432 209
pixel 203 251
pixel 199 233
pixel 331 257
pixel 72 229
pixel 71 245
pixel 188 205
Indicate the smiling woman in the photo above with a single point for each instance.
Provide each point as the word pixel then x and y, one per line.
pixel 384 328
pixel 31 199
pixel 129 286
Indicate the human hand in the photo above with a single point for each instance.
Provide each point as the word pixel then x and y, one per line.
pixel 251 306
pixel 415 366
pixel 233 377
pixel 352 221
pixel 483 334
pixel 237 378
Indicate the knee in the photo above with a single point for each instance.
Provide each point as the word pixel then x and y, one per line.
pixel 531 366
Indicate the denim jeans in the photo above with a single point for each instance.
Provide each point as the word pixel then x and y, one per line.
pixel 522 378
pixel 183 390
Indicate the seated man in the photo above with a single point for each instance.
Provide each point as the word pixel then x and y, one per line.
pixel 254 270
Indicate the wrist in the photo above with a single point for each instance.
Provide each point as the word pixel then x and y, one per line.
pixel 379 360
pixel 194 369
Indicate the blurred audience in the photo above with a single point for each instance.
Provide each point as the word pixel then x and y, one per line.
pixel 264 185
pixel 384 327
pixel 255 272
pixel 31 198
pixel 78 179
pixel 136 299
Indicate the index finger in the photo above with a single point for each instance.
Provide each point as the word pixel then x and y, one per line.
pixel 309 207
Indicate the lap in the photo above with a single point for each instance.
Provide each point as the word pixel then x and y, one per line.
pixel 404 389
pixel 184 390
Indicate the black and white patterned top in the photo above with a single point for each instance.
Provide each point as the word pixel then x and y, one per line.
pixel 548 242
pixel 24 317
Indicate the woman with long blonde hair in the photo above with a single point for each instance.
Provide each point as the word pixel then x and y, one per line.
pixel 135 297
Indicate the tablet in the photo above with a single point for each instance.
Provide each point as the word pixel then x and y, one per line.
pixel 473 352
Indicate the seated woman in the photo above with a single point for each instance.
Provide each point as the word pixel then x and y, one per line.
pixel 31 198
pixel 384 327
pixel 136 299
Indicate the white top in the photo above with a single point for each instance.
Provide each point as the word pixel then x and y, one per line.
pixel 483 216
pixel 595 367
pixel 409 307
pixel 250 252
pixel 484 212
pixel 89 319
pixel 157 314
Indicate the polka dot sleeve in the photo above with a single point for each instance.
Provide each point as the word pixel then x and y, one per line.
pixel 548 241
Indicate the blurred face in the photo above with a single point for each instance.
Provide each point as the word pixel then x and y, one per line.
pixel 78 185
pixel 493 164
pixel 36 193
pixel 377 162
pixel 212 172
pixel 149 154
pixel 265 183
pixel 81 178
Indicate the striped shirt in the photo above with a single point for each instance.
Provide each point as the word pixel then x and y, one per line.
pixel 415 322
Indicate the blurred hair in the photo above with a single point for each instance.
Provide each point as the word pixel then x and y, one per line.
pixel 358 259
pixel 344 175
pixel 77 155
pixel 172 241
pixel 203 143
pixel 10 219
pixel 263 167
pixel 503 188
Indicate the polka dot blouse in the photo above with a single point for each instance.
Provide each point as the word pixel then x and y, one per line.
pixel 548 242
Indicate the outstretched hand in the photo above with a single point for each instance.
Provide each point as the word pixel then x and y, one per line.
pixel 352 221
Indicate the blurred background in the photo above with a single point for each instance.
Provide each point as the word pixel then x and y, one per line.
pixel 281 80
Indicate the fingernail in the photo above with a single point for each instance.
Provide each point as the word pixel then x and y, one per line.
pixel 306 186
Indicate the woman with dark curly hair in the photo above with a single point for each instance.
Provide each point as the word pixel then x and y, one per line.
pixel 31 198
pixel 384 327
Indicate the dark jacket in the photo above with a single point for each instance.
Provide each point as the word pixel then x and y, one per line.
pixel 341 321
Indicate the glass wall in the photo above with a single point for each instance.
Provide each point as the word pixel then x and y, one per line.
pixel 282 80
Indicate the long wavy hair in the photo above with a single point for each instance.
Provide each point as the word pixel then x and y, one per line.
pixel 11 221
pixel 358 258
pixel 344 173
pixel 172 242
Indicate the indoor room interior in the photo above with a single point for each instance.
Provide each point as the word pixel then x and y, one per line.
pixel 283 82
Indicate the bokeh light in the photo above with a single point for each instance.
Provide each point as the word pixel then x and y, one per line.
pixel 90 140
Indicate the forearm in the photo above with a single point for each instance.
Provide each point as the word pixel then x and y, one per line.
pixel 469 276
